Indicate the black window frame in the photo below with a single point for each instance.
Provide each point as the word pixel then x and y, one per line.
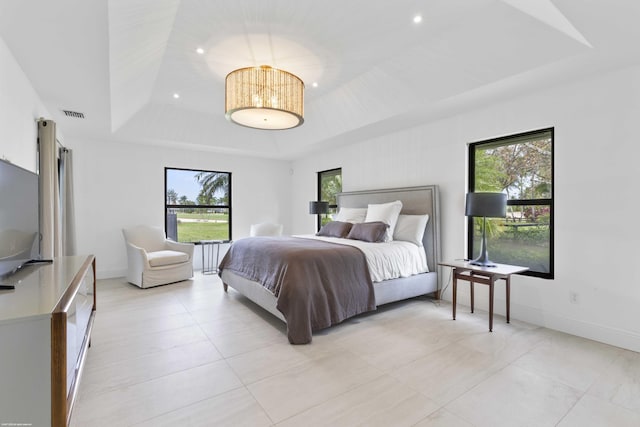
pixel 504 140
pixel 168 206
pixel 319 191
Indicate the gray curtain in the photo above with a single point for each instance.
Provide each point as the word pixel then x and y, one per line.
pixel 67 211
pixel 49 198
pixel 56 194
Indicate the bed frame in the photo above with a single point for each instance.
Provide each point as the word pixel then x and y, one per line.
pixel 415 201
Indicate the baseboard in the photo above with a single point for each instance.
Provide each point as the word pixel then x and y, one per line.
pixel 613 336
pixel 110 274
pixel 593 331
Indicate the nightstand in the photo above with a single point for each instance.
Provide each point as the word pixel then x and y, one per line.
pixel 463 270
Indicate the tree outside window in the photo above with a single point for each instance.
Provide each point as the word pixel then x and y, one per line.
pixel 197 205
pixel 329 185
pixel 522 167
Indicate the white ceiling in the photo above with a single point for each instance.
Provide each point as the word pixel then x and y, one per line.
pixel 120 61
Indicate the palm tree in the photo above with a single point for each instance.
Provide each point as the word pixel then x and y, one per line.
pixel 172 197
pixel 212 183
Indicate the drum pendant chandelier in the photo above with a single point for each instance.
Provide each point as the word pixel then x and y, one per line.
pixel 264 98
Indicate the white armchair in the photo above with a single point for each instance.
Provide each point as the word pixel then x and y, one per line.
pixel 154 260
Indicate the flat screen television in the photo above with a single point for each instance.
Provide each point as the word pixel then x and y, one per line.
pixel 19 218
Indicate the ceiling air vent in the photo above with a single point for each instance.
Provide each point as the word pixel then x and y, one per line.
pixel 73 114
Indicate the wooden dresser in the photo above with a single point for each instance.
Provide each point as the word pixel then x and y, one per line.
pixel 45 332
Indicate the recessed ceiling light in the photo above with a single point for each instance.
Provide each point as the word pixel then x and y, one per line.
pixel 176 95
pixel 314 84
pixel 200 51
pixel 417 19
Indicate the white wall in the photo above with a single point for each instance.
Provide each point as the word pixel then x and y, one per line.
pixel 20 107
pixel 596 235
pixel 122 184
pixel 119 185
pixel 596 152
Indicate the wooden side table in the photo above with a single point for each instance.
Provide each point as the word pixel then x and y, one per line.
pixel 463 270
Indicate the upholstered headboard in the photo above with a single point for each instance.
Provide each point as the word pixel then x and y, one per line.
pixel 415 201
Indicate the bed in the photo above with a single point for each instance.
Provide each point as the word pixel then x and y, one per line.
pixel 421 200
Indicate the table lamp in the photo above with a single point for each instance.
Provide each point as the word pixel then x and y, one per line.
pixel 486 205
pixel 317 208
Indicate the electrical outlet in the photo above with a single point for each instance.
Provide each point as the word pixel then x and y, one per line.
pixel 573 297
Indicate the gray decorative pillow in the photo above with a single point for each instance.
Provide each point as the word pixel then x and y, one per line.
pixel 369 231
pixel 335 229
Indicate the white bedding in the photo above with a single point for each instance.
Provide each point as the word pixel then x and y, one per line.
pixel 388 260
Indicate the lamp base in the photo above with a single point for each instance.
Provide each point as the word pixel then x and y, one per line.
pixel 483 258
pixel 482 263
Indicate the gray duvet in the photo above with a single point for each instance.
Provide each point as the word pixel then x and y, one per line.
pixel 317 284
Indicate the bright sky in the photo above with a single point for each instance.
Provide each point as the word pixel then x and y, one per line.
pixel 184 183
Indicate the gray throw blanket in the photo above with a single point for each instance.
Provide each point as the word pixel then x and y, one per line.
pixel 317 284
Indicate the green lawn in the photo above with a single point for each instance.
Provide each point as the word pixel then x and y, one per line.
pixel 527 246
pixel 512 252
pixel 205 229
pixel 210 216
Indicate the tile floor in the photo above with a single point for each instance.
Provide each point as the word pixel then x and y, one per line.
pixel 189 354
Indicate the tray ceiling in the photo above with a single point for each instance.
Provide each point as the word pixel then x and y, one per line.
pixel 120 62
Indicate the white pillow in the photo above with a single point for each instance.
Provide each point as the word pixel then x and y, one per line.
pixel 352 215
pixel 387 213
pixel 410 228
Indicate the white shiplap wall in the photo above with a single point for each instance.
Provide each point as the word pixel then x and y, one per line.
pixel 596 153
pixel 596 237
pixel 20 107
pixel 122 184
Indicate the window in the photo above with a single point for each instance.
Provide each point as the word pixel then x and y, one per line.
pixel 197 205
pixel 522 167
pixel 329 184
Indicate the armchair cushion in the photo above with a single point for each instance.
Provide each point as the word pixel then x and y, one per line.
pixel 158 258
